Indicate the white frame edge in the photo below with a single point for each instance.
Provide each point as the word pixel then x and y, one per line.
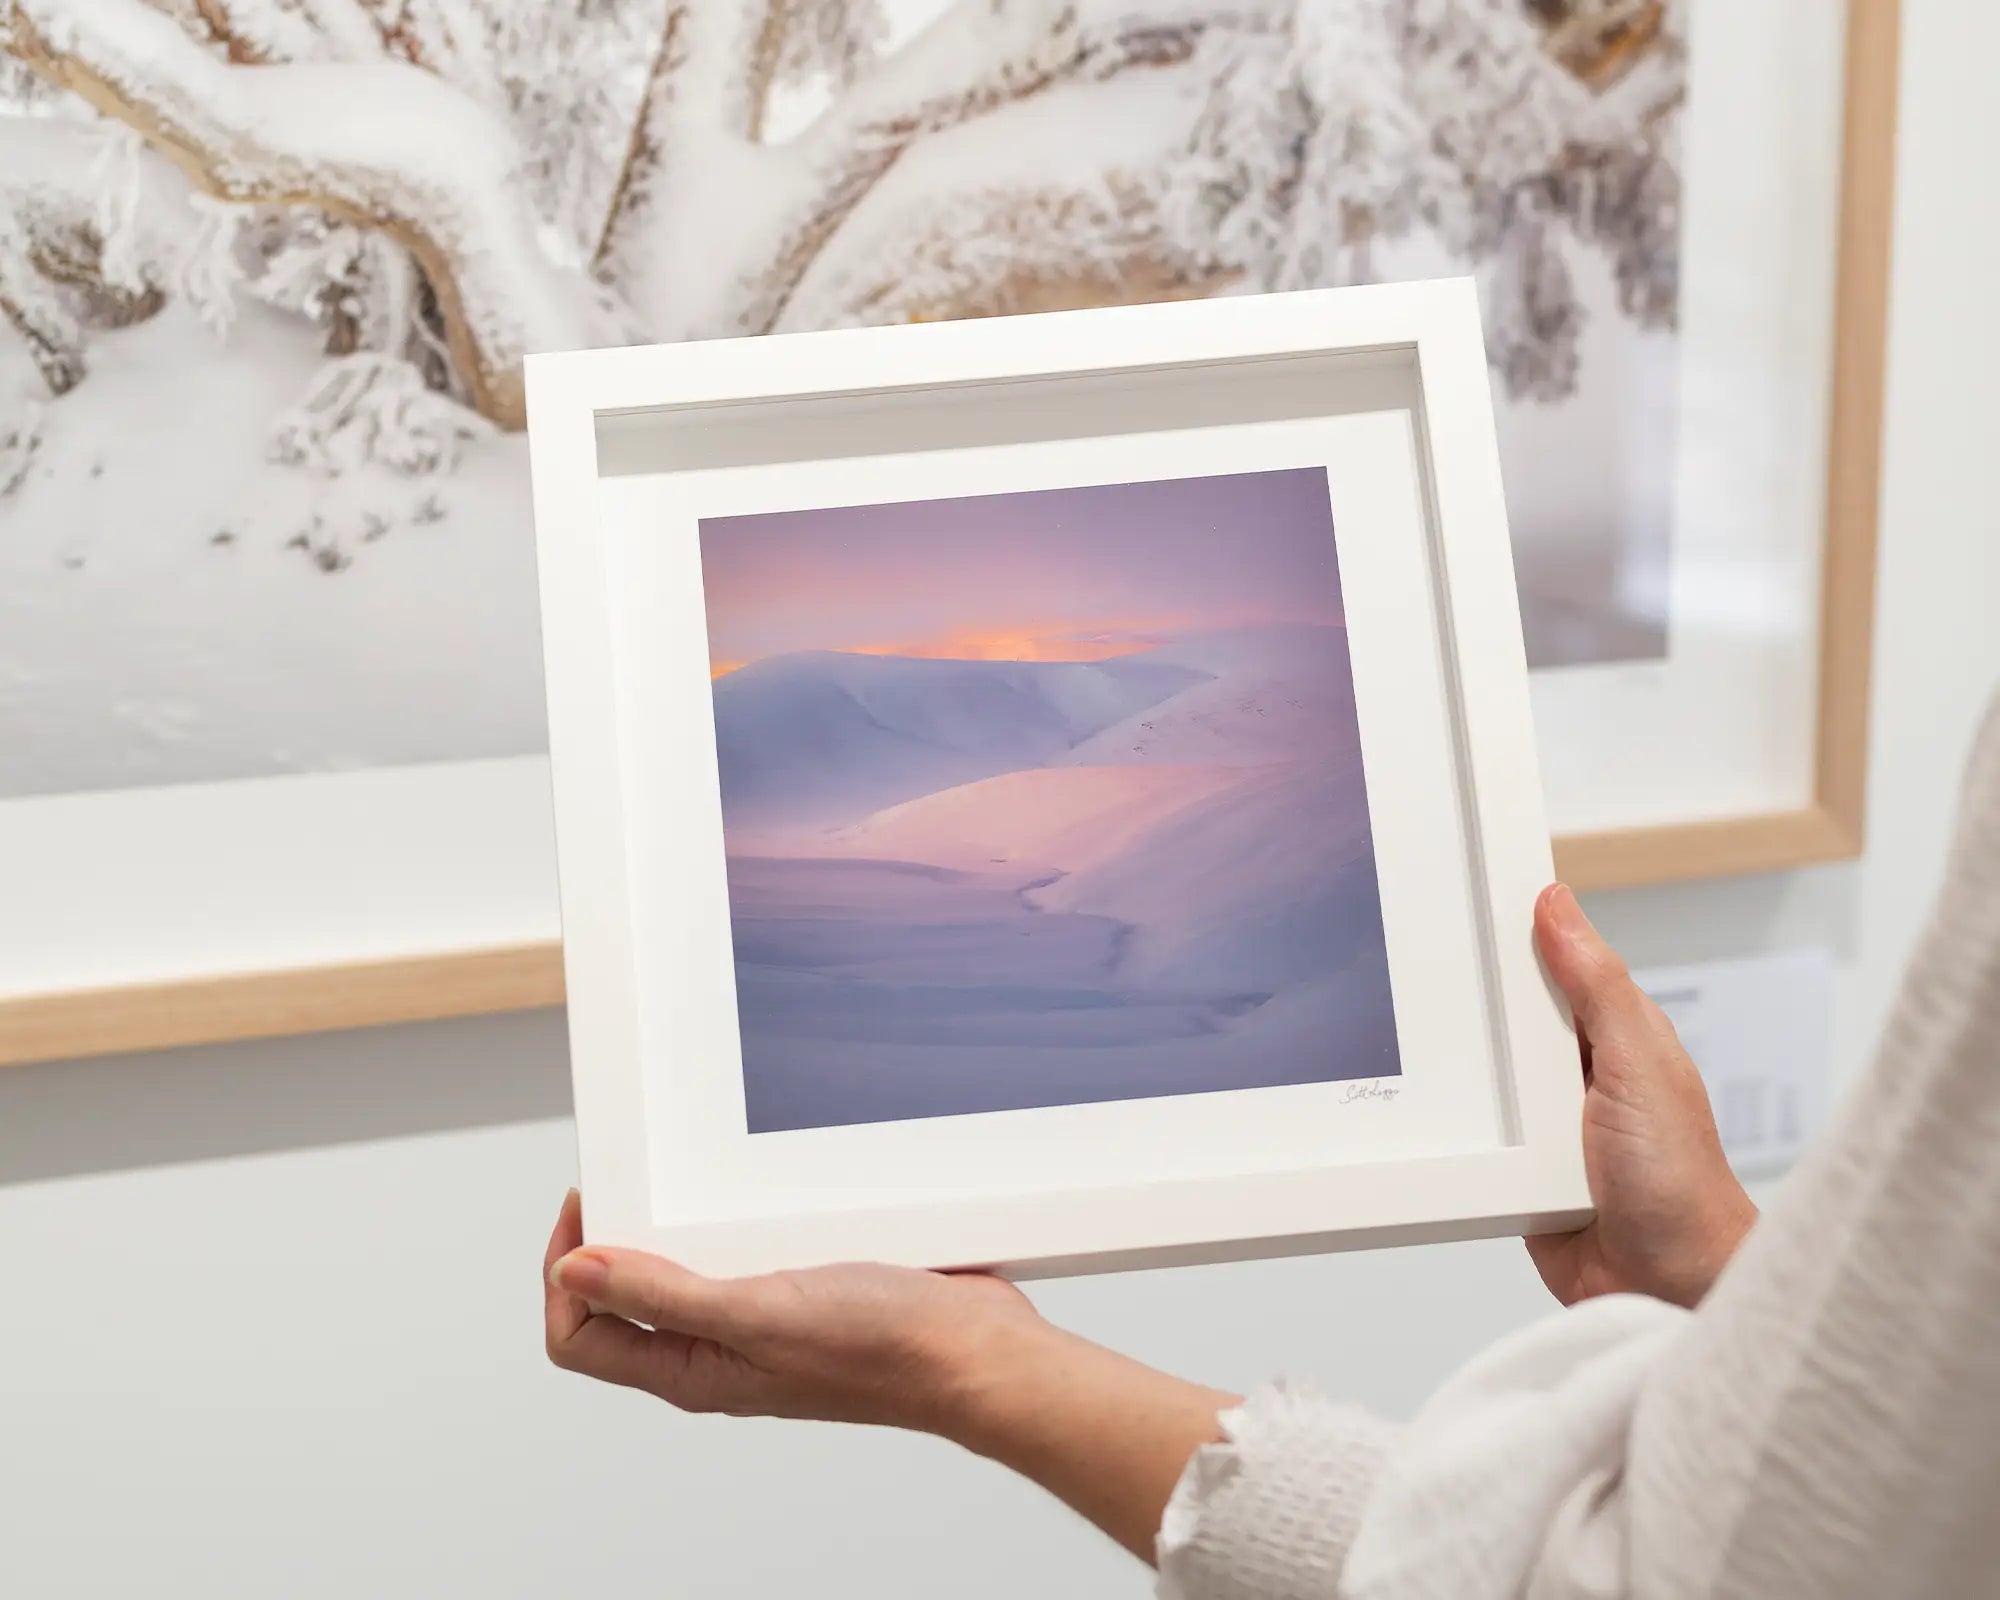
pixel 1534 1184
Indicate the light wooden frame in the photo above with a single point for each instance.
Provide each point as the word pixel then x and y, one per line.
pixel 249 1004
pixel 1832 827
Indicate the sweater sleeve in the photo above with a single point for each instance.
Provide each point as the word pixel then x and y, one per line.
pixel 1269 1512
pixel 1306 1499
pixel 1827 1424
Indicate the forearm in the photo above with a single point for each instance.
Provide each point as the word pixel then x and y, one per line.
pixel 1105 1434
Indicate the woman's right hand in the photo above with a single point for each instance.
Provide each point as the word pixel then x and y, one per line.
pixel 1670 1213
pixel 963 1356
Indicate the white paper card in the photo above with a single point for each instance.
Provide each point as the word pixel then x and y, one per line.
pixel 1760 1029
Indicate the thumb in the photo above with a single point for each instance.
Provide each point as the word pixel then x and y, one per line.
pixel 1592 976
pixel 644 1288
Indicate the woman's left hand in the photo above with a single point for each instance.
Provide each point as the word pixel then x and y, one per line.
pixel 878 1344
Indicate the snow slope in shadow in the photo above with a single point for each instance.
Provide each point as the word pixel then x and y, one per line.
pixel 1169 887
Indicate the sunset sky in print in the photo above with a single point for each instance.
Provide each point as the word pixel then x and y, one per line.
pixel 1048 575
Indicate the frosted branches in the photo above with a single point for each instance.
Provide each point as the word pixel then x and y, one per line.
pixel 835 39
pixel 1597 41
pixel 254 32
pixel 382 144
pixel 359 286
pixel 87 239
pixel 1621 177
pixel 624 210
pixel 444 185
pixel 368 407
pixel 1533 320
pixel 1331 127
pixel 993 252
pixel 45 325
pixel 1329 132
pixel 976 57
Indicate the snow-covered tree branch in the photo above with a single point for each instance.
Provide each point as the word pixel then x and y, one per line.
pixel 1599 40
pixel 241 48
pixel 979 56
pixel 380 144
pixel 836 39
pixel 45 325
pixel 1332 132
pixel 87 239
pixel 255 32
pixel 976 57
pixel 448 184
pixel 642 149
pixel 1000 252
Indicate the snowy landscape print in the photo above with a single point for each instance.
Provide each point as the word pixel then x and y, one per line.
pixel 269 270
pixel 1043 799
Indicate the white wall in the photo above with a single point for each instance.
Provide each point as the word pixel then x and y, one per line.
pixel 270 1324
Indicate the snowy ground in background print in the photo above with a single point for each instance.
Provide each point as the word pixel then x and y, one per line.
pixel 1152 875
pixel 174 607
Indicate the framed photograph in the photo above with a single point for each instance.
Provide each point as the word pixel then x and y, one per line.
pixel 1745 428
pixel 269 680
pixel 1055 794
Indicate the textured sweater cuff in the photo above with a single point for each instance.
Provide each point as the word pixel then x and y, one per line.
pixel 1269 1513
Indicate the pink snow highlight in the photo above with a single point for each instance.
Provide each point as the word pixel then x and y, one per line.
pixel 1057 819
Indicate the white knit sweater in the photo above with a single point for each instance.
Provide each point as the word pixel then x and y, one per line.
pixel 1826 1425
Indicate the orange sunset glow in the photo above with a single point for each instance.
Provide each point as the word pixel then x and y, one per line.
pixel 1081 642
pixel 1096 643
pixel 1080 575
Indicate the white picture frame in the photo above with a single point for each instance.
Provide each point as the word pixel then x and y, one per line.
pixel 1386 388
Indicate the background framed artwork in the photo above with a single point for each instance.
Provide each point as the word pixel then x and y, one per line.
pixel 268 687
pixel 1753 753
pixel 1228 973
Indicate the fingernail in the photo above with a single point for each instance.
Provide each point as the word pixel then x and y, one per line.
pixel 580 1273
pixel 1563 902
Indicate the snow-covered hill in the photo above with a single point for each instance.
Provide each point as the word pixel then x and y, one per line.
pixel 1171 898
pixel 1037 823
pixel 1261 696
pixel 1259 885
pixel 1238 877
pixel 819 738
